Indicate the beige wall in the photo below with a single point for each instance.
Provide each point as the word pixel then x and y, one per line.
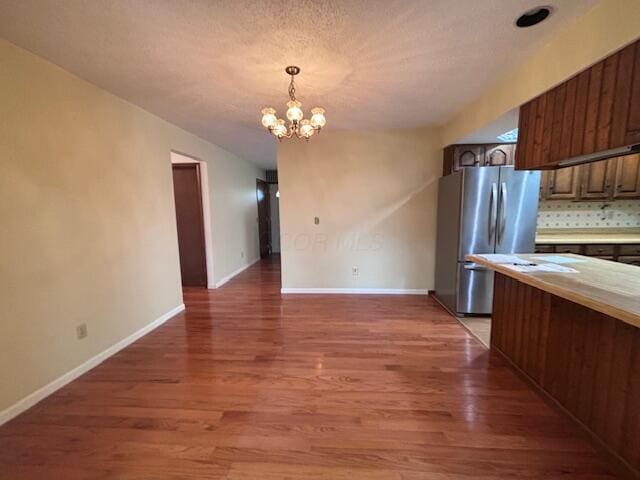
pixel 88 222
pixel 606 28
pixel 375 194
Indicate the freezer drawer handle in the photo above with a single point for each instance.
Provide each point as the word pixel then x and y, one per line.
pixel 475 267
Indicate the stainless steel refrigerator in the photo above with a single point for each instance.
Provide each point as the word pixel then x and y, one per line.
pixel 481 210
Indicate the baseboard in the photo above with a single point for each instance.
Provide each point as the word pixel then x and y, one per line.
pixel 233 274
pixel 40 394
pixel 356 291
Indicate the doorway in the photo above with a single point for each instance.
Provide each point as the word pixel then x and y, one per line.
pixel 268 196
pixel 264 217
pixel 190 222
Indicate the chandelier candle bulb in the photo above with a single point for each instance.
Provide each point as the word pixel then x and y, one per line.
pixel 298 125
pixel 306 130
pixel 294 113
pixel 279 129
pixel 269 118
pixel 317 117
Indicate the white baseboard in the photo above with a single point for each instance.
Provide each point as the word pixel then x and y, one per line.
pixel 40 394
pixel 357 291
pixel 233 274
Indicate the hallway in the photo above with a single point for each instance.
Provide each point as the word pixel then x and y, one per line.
pixel 247 384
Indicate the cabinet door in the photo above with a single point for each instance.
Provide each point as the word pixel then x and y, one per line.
pixel 468 156
pixel 597 179
pixel 627 184
pixel 545 178
pixel 563 184
pixel 499 155
pixel 630 260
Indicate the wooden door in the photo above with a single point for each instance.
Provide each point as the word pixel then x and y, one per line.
pixel 499 155
pixel 562 184
pixel 264 217
pixel 597 179
pixel 468 156
pixel 190 221
pixel 627 184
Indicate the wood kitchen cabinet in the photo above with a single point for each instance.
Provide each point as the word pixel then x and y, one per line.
pixel 627 177
pixel 596 180
pixel 561 184
pixel 613 179
pixel 500 155
pixel 629 253
pixel 594 111
pixel 477 155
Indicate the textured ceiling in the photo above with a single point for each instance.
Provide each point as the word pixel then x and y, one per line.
pixel 210 66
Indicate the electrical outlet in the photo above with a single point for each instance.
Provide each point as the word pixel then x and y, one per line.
pixel 354 271
pixel 242 254
pixel 81 331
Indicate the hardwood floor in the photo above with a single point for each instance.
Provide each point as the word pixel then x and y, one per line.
pixel 247 384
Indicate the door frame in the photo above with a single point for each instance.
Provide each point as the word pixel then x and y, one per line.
pixel 178 158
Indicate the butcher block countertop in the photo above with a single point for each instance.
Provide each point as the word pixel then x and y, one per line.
pixel 608 287
pixel 582 237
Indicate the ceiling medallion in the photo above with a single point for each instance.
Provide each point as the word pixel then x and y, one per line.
pixel 298 126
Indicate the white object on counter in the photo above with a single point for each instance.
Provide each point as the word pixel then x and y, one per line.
pixel 543 267
pixel 502 258
pixel 559 260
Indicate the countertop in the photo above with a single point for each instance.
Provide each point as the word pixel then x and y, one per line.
pixel 584 237
pixel 608 287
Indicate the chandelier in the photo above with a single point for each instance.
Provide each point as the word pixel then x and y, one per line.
pixel 298 126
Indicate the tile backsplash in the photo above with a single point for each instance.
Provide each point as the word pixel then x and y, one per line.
pixel 566 214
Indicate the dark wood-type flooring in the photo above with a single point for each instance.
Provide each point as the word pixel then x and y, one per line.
pixel 247 384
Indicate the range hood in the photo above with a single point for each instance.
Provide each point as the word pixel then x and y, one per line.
pixel 602 155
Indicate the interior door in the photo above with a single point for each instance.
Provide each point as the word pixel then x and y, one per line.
pixel 264 217
pixel 190 222
pixel 517 210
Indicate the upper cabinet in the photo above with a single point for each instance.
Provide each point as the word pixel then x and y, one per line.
pixel 561 184
pixel 594 111
pixel 616 178
pixel 499 155
pixel 597 180
pixel 627 179
pixel 468 156
pixel 477 155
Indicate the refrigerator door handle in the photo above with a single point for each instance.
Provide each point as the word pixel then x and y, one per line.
pixel 503 211
pixel 493 211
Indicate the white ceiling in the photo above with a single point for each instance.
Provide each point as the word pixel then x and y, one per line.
pixel 210 66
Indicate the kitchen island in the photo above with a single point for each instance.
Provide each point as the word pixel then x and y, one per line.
pixel 576 337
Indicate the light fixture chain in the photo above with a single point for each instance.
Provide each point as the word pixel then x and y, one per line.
pixel 292 89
